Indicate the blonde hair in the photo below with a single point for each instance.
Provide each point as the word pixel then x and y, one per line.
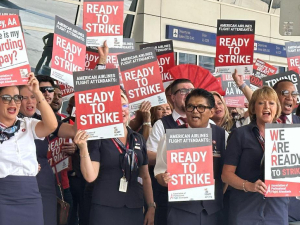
pixel 153 110
pixel 226 122
pixel 264 92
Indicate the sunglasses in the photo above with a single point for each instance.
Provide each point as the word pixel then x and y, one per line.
pixel 6 99
pixel 49 89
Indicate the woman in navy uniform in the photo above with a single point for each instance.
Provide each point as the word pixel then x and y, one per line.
pixel 244 168
pixel 20 199
pixel 119 188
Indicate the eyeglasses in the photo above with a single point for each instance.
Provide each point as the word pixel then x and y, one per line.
pixel 184 91
pixel 200 108
pixel 49 89
pixel 6 99
pixel 287 93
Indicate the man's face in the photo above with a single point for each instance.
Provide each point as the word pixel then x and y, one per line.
pixel 178 98
pixel 48 95
pixel 57 100
pixel 71 104
pixel 195 118
pixel 287 101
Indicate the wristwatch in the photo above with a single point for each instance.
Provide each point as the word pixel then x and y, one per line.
pixel 152 205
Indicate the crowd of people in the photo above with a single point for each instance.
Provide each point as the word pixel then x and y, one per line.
pixel 105 187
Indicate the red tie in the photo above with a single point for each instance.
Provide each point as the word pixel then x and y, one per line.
pixel 283 118
pixel 182 119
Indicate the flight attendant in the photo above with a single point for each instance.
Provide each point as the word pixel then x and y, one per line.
pixel 244 168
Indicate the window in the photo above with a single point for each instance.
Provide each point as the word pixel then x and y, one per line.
pixel 207 63
pixel 281 69
pixel 185 58
pixel 259 5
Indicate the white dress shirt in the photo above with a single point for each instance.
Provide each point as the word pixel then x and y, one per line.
pixel 18 154
pixel 161 156
pixel 158 131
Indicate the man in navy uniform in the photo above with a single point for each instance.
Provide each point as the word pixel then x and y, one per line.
pixel 199 106
pixel 180 88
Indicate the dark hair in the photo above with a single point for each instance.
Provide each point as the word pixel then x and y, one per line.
pixel 275 87
pixel 43 78
pixel 201 93
pixel 168 88
pixel 2 88
pixel 178 81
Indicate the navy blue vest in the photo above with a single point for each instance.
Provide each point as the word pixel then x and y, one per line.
pixel 211 206
pixel 296 119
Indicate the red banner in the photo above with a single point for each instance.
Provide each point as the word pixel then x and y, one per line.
pixel 293 56
pixel 14 65
pixel 235 46
pixel 56 156
pixel 69 50
pixel 165 57
pixel 99 96
pixel 103 20
pixel 142 78
pixel 66 90
pixel 190 163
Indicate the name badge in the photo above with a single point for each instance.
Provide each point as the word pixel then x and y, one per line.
pixel 123 185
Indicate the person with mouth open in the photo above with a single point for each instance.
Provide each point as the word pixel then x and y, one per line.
pixel 287 95
pixel 20 199
pixel 45 178
pixel 199 108
pixel 244 166
pixel 221 115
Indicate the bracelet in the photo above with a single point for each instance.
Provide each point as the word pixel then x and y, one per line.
pixel 147 124
pixel 242 86
pixel 84 156
pixel 153 204
pixel 244 186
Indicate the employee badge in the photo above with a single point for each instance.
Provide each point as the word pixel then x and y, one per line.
pixel 123 185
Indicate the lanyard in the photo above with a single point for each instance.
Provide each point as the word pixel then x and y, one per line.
pixel 118 147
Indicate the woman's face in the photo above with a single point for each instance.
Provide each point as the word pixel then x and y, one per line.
pixel 219 109
pixel 125 110
pixel 9 109
pixel 265 110
pixel 162 110
pixel 28 105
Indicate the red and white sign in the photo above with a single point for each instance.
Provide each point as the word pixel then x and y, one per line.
pixel 142 78
pixel 261 69
pixel 103 21
pixel 282 160
pixel 66 90
pixel 69 49
pixel 56 156
pixel 293 56
pixel 14 65
pixel 235 46
pixel 234 97
pixel 98 94
pixel 92 55
pixel 165 57
pixel 190 163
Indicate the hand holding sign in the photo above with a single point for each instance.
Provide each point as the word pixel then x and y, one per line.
pixel 80 139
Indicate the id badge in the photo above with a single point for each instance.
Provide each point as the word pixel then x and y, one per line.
pixel 123 185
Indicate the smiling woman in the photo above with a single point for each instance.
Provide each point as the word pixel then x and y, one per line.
pixel 19 165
